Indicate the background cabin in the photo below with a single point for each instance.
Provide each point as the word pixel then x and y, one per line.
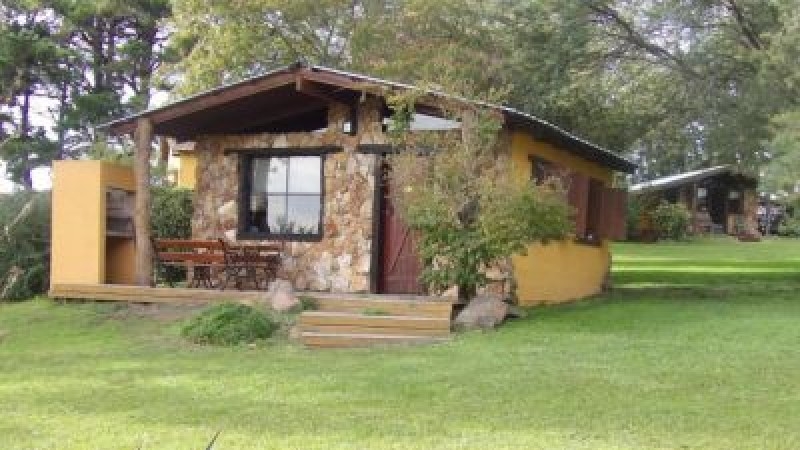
pixel 720 199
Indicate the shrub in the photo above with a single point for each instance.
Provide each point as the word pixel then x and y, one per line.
pixel 229 324
pixel 457 191
pixel 671 220
pixel 790 227
pixel 633 217
pixel 24 245
pixel 171 217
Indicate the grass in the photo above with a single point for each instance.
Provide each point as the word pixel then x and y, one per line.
pixel 696 348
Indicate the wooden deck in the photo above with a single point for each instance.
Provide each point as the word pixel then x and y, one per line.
pixel 139 294
pixel 340 320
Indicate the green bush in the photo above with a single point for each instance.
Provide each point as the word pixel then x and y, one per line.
pixel 671 220
pixel 171 217
pixel 790 227
pixel 24 245
pixel 633 217
pixel 229 324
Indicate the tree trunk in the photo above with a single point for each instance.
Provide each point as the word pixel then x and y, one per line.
pixel 24 133
pixel 141 172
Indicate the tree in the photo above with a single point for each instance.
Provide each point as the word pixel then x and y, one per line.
pixel 457 191
pixel 119 45
pixel 30 64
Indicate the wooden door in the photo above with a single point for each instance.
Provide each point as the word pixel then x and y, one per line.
pixel 400 266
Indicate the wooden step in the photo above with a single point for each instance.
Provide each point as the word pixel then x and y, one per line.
pixel 350 323
pixel 343 340
pixel 398 307
pixel 344 318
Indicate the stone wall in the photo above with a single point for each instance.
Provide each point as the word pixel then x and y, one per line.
pixel 340 261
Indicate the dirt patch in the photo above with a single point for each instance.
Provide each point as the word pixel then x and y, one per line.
pixel 155 311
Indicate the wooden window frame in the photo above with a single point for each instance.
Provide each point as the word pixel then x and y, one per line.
pixel 246 159
pixel 541 169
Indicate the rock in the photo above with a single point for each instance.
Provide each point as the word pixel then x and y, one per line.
pixel 295 333
pixel 483 312
pixel 227 210
pixel 230 235
pixel 282 296
pixel 516 312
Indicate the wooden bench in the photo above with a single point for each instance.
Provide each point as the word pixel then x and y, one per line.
pixel 196 255
pixel 242 264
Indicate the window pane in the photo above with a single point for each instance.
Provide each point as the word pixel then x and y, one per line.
pixel 304 214
pixel 259 176
pixel 304 174
pixel 276 213
pixel 276 181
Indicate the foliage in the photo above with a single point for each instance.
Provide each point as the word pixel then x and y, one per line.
pixel 31 62
pixel 68 66
pixel 229 324
pixel 171 212
pixel 171 217
pixel 675 84
pixel 633 217
pixel 24 245
pixel 790 227
pixel 671 220
pixel 457 190
pixel 307 303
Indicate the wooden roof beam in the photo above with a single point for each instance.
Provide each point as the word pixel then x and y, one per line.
pixel 211 99
pixel 277 113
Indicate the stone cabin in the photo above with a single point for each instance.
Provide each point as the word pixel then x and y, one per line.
pixel 720 199
pixel 295 156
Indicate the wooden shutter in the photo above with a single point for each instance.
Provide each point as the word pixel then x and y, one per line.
pixel 595 223
pixel 612 212
pixel 578 198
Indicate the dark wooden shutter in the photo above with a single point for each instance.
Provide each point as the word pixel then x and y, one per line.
pixel 612 211
pixel 595 218
pixel 578 198
pixel 619 213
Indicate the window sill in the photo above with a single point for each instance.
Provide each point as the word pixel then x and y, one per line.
pixel 253 236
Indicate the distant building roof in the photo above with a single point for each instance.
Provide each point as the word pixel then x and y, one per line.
pixel 228 105
pixel 685 177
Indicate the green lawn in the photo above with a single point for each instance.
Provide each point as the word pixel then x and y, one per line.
pixel 699 347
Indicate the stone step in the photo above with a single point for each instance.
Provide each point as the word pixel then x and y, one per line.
pixel 351 340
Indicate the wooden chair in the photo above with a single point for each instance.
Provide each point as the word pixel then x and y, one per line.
pixel 256 265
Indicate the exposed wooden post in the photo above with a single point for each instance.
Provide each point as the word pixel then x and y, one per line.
pixel 143 138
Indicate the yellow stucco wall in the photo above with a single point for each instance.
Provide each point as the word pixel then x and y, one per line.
pixel 565 270
pixel 187 170
pixel 81 252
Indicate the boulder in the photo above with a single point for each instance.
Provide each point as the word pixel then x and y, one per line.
pixel 282 296
pixel 516 312
pixel 482 312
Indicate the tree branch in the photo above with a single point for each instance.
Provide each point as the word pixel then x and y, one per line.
pixel 630 35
